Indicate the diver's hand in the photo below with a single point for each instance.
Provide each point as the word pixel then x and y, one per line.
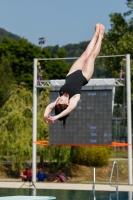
pixel 48 119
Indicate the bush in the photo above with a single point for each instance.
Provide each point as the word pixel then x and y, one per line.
pixel 91 156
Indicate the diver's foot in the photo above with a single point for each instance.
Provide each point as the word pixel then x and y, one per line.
pixel 97 29
pixel 102 29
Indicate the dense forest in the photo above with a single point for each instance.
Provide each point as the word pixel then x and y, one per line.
pixel 16 82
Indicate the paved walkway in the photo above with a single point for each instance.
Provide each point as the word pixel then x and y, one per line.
pixel 67 186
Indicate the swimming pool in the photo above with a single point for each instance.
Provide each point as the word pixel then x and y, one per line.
pixel 66 194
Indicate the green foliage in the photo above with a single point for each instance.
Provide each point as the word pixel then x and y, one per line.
pixel 6 80
pixel 75 50
pixel 58 154
pixel 129 12
pixel 91 156
pixel 16 130
pixel 3 33
pixel 16 127
pixel 42 128
pixel 21 54
pixel 118 111
pixel 16 103
pixel 119 41
pixel 55 69
pixel 100 70
pixel 116 42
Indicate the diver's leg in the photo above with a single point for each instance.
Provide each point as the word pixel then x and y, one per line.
pixel 80 62
pixel 88 67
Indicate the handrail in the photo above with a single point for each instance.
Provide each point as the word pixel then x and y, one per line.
pixel 115 162
pixel 94 182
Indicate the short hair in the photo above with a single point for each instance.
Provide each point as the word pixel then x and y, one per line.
pixel 60 108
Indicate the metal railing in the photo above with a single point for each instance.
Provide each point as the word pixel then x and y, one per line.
pixel 94 182
pixel 110 180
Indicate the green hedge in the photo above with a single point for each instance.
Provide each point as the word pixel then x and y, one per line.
pixel 91 156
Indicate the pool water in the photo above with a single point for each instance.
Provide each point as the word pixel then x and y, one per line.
pixel 66 194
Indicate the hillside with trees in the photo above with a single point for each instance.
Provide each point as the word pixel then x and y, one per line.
pixel 10 35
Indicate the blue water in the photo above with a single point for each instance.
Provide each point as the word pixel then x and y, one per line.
pixel 66 194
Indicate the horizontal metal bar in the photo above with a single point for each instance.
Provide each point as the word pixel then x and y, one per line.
pixel 45 86
pixel 109 56
pixel 58 86
pixel 71 58
pixel 74 58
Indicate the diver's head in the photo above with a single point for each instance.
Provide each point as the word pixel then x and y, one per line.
pixel 64 99
pixel 60 108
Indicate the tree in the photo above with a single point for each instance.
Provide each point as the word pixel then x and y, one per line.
pixel 6 80
pixel 16 127
pixel 129 12
pixel 21 54
pixel 3 32
pixel 119 41
pixel 55 69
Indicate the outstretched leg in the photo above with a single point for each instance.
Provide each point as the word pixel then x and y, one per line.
pixel 88 68
pixel 80 62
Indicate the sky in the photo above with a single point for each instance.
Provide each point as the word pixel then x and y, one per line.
pixel 61 22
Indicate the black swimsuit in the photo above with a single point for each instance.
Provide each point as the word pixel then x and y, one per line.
pixel 73 84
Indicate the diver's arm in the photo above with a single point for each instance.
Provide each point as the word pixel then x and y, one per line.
pixel 49 109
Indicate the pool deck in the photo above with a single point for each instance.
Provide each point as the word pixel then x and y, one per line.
pixel 65 186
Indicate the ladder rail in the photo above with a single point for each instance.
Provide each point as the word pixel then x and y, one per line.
pixel 110 180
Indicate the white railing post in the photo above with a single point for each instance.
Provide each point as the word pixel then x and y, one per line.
pixel 129 118
pixel 34 136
